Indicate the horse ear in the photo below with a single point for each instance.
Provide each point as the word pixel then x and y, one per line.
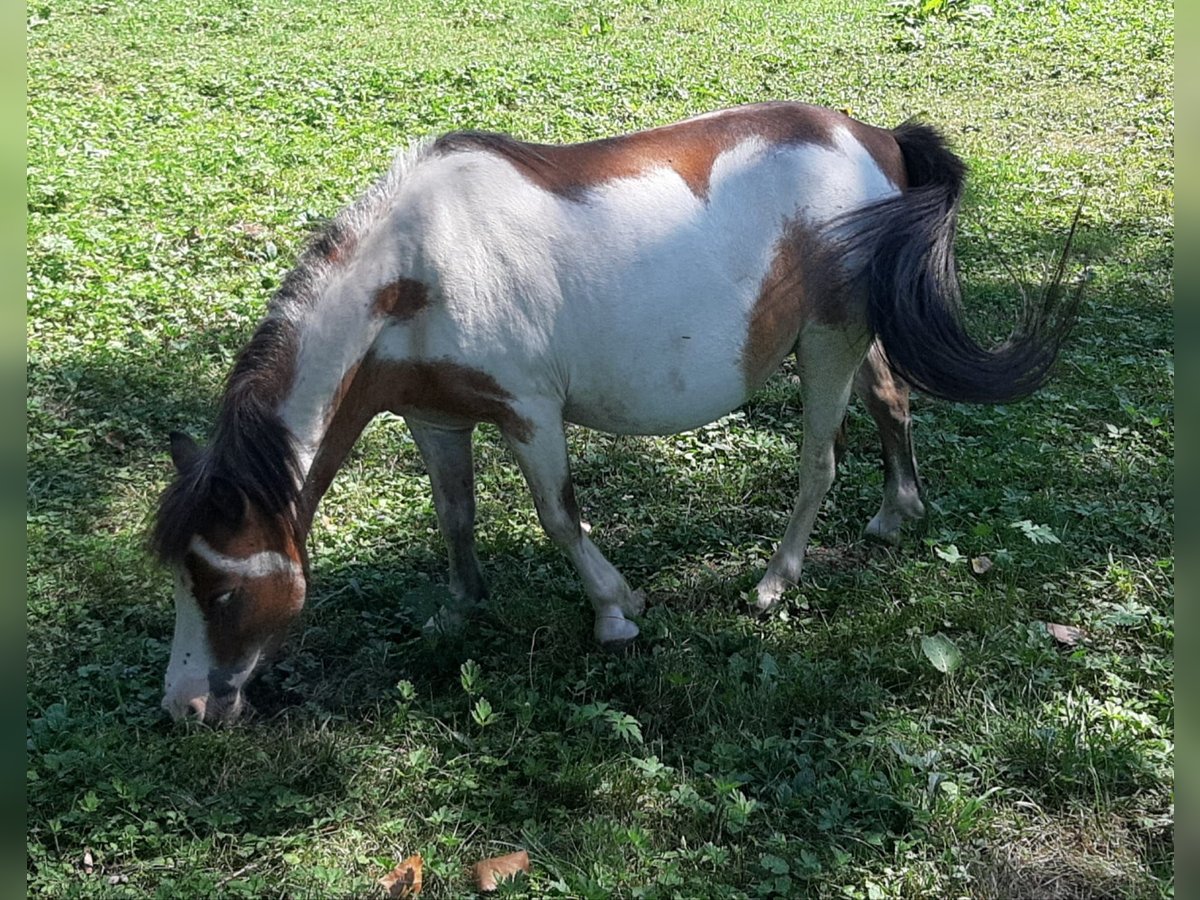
pixel 183 450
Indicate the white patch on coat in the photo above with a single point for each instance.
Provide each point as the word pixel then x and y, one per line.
pixel 337 331
pixel 256 565
pixel 334 336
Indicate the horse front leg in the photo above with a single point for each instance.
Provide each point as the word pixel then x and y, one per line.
pixel 447 457
pixel 541 452
pixel 886 397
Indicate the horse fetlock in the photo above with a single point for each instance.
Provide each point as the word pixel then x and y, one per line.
pixel 761 604
pixel 885 526
pixel 468 596
pixel 908 504
pixel 634 603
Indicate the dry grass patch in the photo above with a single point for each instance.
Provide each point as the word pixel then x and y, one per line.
pixel 1070 856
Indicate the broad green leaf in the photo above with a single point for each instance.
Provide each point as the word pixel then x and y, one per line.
pixel 941 652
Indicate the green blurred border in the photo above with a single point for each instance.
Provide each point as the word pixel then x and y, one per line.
pixel 12 442
pixel 1187 340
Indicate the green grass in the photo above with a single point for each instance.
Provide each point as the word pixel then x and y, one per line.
pixel 178 154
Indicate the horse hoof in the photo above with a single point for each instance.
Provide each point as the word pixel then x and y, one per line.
pixel 761 605
pixel 877 530
pixel 767 594
pixel 444 621
pixel 614 633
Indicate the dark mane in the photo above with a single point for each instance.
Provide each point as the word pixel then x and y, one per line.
pixel 250 458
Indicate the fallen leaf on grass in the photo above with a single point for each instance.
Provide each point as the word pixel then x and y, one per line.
pixel 488 873
pixel 88 862
pixel 980 565
pixel 1067 635
pixel 249 229
pixel 941 652
pixel 405 879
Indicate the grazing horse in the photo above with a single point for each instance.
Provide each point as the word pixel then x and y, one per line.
pixel 641 284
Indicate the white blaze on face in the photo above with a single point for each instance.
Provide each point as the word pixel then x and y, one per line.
pixel 187 685
pixel 256 565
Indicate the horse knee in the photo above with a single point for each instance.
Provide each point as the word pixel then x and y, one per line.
pixel 562 527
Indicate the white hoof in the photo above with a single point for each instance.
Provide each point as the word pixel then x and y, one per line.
pixel 444 621
pixel 761 605
pixel 766 595
pixel 613 631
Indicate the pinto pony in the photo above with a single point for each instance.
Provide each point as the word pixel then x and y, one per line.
pixel 641 284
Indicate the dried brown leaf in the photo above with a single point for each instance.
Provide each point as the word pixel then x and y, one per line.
pixel 250 229
pixel 488 873
pixel 89 862
pixel 980 565
pixel 1067 635
pixel 405 879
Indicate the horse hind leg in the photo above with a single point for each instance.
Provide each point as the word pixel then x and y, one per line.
pixel 448 459
pixel 885 395
pixel 827 359
pixel 542 456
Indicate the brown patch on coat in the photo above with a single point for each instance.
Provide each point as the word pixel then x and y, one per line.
pixel 884 392
pixel 448 390
pixel 438 390
pixel 886 395
pixel 402 299
pixel 841 443
pixel 799 287
pixel 689 147
pixel 340 393
pixel 244 532
pixel 882 146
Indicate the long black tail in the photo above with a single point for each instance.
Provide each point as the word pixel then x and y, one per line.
pixel 904 247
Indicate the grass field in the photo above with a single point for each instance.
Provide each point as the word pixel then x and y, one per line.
pixel 178 155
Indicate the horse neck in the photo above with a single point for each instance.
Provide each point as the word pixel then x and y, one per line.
pixel 333 393
pixel 358 401
pixel 349 283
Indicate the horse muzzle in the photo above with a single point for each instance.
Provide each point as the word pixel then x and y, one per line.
pixel 198 702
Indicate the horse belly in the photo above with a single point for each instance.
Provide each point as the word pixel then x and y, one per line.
pixel 658 369
pixel 657 400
